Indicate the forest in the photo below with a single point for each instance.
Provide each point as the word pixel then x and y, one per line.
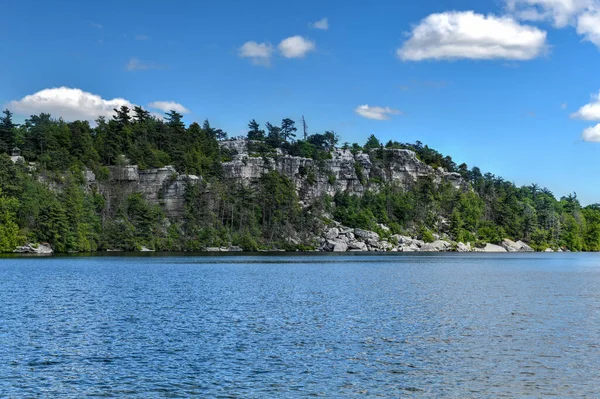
pixel 43 197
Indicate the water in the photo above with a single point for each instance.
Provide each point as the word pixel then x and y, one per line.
pixel 419 326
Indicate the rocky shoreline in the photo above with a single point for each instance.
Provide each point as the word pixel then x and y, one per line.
pixel 345 239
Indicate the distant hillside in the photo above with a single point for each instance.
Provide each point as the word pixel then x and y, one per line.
pixel 136 181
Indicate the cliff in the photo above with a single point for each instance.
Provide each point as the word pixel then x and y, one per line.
pixel 344 172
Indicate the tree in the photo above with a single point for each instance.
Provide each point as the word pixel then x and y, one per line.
pixel 141 115
pixel 274 137
pixel 254 131
pixel 372 142
pixel 288 129
pixel 6 132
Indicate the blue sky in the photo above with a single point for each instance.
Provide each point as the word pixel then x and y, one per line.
pixel 496 84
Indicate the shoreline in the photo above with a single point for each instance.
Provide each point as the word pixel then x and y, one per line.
pixel 162 254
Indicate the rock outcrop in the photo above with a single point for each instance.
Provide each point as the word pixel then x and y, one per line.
pixel 518 246
pixel 163 186
pixel 40 249
pixel 344 172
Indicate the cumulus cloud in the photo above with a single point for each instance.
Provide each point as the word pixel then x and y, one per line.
pixel 167 106
pixel 592 134
pixel 258 53
pixel 588 26
pixel 377 113
pixel 296 47
pixel 135 64
pixel 456 35
pixel 584 15
pixel 591 111
pixel 68 103
pixel 322 24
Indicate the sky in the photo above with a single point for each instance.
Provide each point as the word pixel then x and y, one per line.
pixel 510 86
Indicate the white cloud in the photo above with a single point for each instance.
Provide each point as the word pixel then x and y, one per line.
pixel 322 24
pixel 167 106
pixel 68 103
pixel 456 35
pixel 588 26
pixel 296 47
pixel 592 134
pixel 259 53
pixel 135 64
pixel 591 111
pixel 142 37
pixel 584 15
pixel 560 12
pixel 378 113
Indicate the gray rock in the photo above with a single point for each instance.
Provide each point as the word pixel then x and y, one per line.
pixel 365 234
pixel 491 248
pixel 336 246
pixel 385 246
pixel 510 246
pixel 524 247
pixel 145 249
pixel 332 233
pixel 462 247
pixel 212 249
pixel 40 249
pixel 373 242
pixel 235 248
pixel 436 246
pixel 549 250
pixel 357 246
pixel 412 247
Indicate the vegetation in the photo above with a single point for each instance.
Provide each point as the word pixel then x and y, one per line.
pixel 45 198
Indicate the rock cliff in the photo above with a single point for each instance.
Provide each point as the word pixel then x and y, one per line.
pixel 344 171
pixel 162 186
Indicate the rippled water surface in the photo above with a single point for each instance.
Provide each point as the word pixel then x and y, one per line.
pixel 422 326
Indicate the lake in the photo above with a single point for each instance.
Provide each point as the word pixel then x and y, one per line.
pixel 414 326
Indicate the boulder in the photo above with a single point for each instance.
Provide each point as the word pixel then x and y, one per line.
pixel 332 233
pixel 409 248
pixel 385 246
pixel 235 248
pixel 436 246
pixel 462 247
pixel 357 246
pixel 518 246
pixel 146 249
pixel 524 247
pixel 212 249
pixel 336 246
pixel 510 246
pixel 365 234
pixel 40 249
pixel 373 242
pixel 549 250
pixel 492 248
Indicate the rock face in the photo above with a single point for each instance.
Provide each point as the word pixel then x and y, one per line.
pixel 163 186
pixel 345 171
pixel 40 249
